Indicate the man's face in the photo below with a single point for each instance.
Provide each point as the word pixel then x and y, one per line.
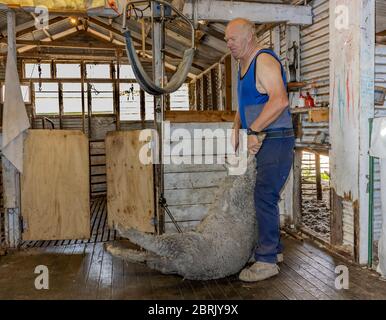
pixel 236 40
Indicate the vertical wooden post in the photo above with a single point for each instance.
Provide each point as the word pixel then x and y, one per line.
pixel 192 96
pixel 297 187
pixel 336 218
pixel 276 40
pixel 60 92
pixel 220 87
pixel 234 76
pixel 352 55
pixel 202 94
pixel 205 92
pixel 142 107
pixel 197 92
pixel 293 35
pixel 11 177
pixel 115 79
pixel 89 110
pixel 213 85
pixel 167 102
pixel 228 83
pixel 159 108
pixel 82 68
pixel 319 195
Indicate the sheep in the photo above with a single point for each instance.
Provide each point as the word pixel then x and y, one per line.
pixel 219 246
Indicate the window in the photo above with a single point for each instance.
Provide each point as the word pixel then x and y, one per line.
pixel 31 70
pixel 72 98
pixel 179 100
pixel 68 70
pixel 129 101
pixel 102 98
pixel 25 91
pixel 126 72
pixel 149 106
pixel 46 99
pixel 98 71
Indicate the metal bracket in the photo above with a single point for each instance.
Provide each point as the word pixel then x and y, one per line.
pixel 157 11
pixel 23 224
pixel 163 204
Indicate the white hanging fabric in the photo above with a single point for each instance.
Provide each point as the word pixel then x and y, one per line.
pixel 378 149
pixel 15 119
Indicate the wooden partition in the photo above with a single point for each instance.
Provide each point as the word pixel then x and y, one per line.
pixel 130 195
pixel 55 200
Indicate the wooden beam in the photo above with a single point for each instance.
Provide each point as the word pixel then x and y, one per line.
pixel 69 44
pixel 55 37
pixel 261 13
pixel 200 116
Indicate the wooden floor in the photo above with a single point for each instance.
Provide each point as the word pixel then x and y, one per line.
pixel 86 271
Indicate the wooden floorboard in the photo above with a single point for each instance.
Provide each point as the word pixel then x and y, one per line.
pixel 86 271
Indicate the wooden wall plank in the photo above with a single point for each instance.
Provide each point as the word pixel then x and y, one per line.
pixel 130 196
pixel 200 116
pixel 55 185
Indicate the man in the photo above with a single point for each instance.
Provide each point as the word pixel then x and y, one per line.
pixel 263 107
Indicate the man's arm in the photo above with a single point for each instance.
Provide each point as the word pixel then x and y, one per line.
pixel 268 73
pixel 235 132
pixel 237 121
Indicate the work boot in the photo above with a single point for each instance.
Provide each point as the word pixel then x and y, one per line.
pixel 279 258
pixel 259 271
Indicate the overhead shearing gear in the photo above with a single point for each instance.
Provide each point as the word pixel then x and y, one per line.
pixel 143 79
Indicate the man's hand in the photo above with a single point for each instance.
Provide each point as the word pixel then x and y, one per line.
pixel 235 138
pixel 255 142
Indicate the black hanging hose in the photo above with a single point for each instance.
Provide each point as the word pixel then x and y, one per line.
pixel 143 79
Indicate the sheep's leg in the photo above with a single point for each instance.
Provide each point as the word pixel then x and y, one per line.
pixel 148 242
pixel 127 254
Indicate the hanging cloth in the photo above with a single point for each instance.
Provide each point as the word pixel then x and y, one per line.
pixel 15 119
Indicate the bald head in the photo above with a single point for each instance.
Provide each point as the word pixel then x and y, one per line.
pixel 243 25
pixel 240 36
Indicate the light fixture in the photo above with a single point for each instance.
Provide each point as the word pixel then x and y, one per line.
pixel 74 20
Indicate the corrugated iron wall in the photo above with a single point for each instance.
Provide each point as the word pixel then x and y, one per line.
pixel 380 75
pixel 314 55
pixel 2 214
pixel 2 70
pixel 265 39
pixel 315 67
pixel 380 111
